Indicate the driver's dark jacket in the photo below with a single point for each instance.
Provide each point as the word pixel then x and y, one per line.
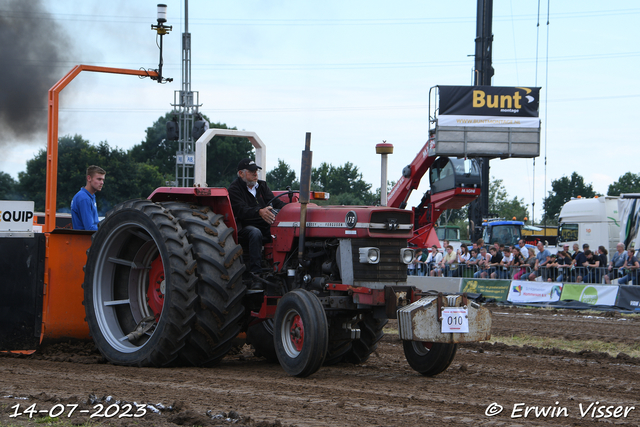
pixel 245 206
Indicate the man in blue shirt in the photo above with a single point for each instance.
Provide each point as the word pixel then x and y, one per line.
pixel 84 212
pixel 543 257
pixel 617 261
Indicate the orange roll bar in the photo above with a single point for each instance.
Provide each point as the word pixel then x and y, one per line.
pixel 52 133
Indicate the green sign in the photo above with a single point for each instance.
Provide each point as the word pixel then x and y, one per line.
pixel 496 289
pixel 590 294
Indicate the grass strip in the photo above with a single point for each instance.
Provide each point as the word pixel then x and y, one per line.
pixel 613 348
pixel 576 346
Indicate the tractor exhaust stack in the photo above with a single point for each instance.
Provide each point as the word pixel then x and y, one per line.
pixel 305 188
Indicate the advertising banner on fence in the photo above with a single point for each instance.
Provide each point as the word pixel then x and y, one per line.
pixel 629 297
pixel 489 101
pixel 590 294
pixel 495 289
pixel 523 292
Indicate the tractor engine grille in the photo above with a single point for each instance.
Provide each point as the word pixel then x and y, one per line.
pixel 395 222
pixel 389 269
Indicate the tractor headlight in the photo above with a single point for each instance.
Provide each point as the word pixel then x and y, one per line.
pixel 406 255
pixel 369 255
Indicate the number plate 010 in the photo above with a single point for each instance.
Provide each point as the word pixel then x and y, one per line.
pixel 455 319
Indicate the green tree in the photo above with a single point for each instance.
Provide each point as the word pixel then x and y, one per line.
pixel 223 153
pixel 563 189
pixel 156 150
pixel 463 223
pixel 72 152
pixel 125 178
pixel 347 199
pixel 454 215
pixel 320 176
pixel 282 176
pixel 344 183
pixel 501 205
pixel 373 199
pixel 497 196
pixel 514 208
pixel 8 187
pixel 627 183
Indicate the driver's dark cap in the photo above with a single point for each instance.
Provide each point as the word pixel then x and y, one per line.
pixel 248 164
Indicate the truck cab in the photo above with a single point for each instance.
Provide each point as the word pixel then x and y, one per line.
pixel 593 221
pixel 501 231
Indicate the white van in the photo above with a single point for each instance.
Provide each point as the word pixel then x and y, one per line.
pixel 593 221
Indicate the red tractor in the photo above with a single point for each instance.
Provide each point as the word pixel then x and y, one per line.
pixel 163 281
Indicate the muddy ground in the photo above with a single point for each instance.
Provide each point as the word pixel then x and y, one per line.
pixel 576 389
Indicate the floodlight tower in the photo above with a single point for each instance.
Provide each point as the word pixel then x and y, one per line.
pixel 479 208
pixel 186 103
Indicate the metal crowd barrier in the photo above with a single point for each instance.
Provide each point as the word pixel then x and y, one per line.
pixel 587 275
pixel 554 274
pixel 463 270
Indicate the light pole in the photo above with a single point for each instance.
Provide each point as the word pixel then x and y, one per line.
pixel 161 29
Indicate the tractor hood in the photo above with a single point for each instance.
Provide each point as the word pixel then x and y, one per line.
pixel 348 221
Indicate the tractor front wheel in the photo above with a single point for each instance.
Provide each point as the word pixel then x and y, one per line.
pixel 300 333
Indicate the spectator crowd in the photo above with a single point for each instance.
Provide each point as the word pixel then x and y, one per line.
pixel 523 262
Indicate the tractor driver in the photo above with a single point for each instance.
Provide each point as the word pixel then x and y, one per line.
pixel 84 211
pixel 249 198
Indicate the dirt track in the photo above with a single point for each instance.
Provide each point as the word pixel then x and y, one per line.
pixel 384 391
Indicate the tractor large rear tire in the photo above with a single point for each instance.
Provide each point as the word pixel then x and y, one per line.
pixel 219 312
pixel 140 281
pixel 301 333
pixel 429 359
pixel 370 334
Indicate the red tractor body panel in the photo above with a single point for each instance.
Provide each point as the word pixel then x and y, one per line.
pixel 324 222
pixel 215 198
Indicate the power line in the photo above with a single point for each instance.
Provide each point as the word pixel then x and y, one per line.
pixel 533 182
pixel 307 109
pixel 513 34
pixel 546 109
pixel 255 110
pixel 122 19
pixel 595 98
pixel 323 66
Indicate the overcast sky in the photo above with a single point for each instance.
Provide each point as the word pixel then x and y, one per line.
pixel 353 73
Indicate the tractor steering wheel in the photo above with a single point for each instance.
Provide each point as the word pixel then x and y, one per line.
pixel 289 193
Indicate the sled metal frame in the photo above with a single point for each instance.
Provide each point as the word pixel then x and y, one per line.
pixel 65 251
